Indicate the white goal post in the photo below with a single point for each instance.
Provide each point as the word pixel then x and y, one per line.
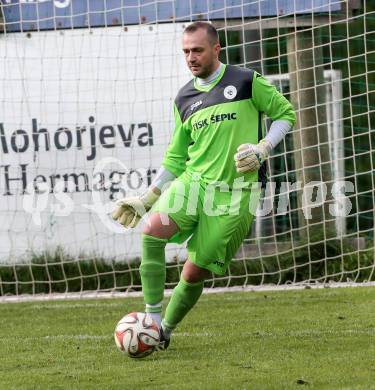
pixel 86 113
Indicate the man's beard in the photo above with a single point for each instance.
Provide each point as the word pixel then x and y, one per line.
pixel 206 71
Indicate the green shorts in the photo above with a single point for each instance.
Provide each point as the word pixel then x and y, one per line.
pixel 215 220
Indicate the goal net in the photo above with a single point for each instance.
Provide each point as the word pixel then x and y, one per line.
pixel 86 114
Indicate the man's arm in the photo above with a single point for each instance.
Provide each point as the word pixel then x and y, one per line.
pixel 131 209
pixel 177 153
pixel 269 100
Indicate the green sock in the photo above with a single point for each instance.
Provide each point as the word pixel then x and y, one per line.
pixel 152 271
pixel 185 295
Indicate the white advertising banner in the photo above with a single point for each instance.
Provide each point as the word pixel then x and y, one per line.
pixel 85 117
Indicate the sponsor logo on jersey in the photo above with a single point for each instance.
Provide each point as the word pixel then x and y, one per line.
pixel 230 92
pixel 214 119
pixel 195 105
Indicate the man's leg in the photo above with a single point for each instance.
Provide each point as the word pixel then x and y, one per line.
pixel 154 239
pixel 185 296
pixel 214 243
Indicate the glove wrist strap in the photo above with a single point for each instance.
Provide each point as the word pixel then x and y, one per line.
pixel 148 198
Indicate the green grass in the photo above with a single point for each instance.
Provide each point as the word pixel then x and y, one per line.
pixel 316 339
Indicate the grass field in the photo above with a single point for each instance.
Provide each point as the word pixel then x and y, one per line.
pixel 321 339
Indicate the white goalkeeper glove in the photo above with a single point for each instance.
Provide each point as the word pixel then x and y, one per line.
pixel 250 157
pixel 131 210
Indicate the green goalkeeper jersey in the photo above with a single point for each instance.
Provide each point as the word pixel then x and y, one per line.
pixel 212 122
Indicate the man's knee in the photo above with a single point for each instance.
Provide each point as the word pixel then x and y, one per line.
pixel 160 226
pixel 149 230
pixel 193 274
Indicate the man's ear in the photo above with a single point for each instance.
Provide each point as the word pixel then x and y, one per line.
pixel 217 48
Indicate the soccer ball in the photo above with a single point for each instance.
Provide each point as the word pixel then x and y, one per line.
pixel 137 334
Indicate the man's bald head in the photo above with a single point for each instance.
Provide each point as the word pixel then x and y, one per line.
pixel 212 35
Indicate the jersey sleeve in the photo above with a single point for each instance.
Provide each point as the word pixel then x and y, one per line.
pixel 269 100
pixel 177 152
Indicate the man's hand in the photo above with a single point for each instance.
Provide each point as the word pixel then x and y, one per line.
pixel 130 210
pixel 250 157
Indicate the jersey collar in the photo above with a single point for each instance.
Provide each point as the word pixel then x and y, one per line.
pixel 207 88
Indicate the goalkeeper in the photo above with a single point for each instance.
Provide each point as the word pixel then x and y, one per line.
pixel 218 138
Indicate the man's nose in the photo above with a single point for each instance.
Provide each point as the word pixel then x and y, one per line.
pixel 191 57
